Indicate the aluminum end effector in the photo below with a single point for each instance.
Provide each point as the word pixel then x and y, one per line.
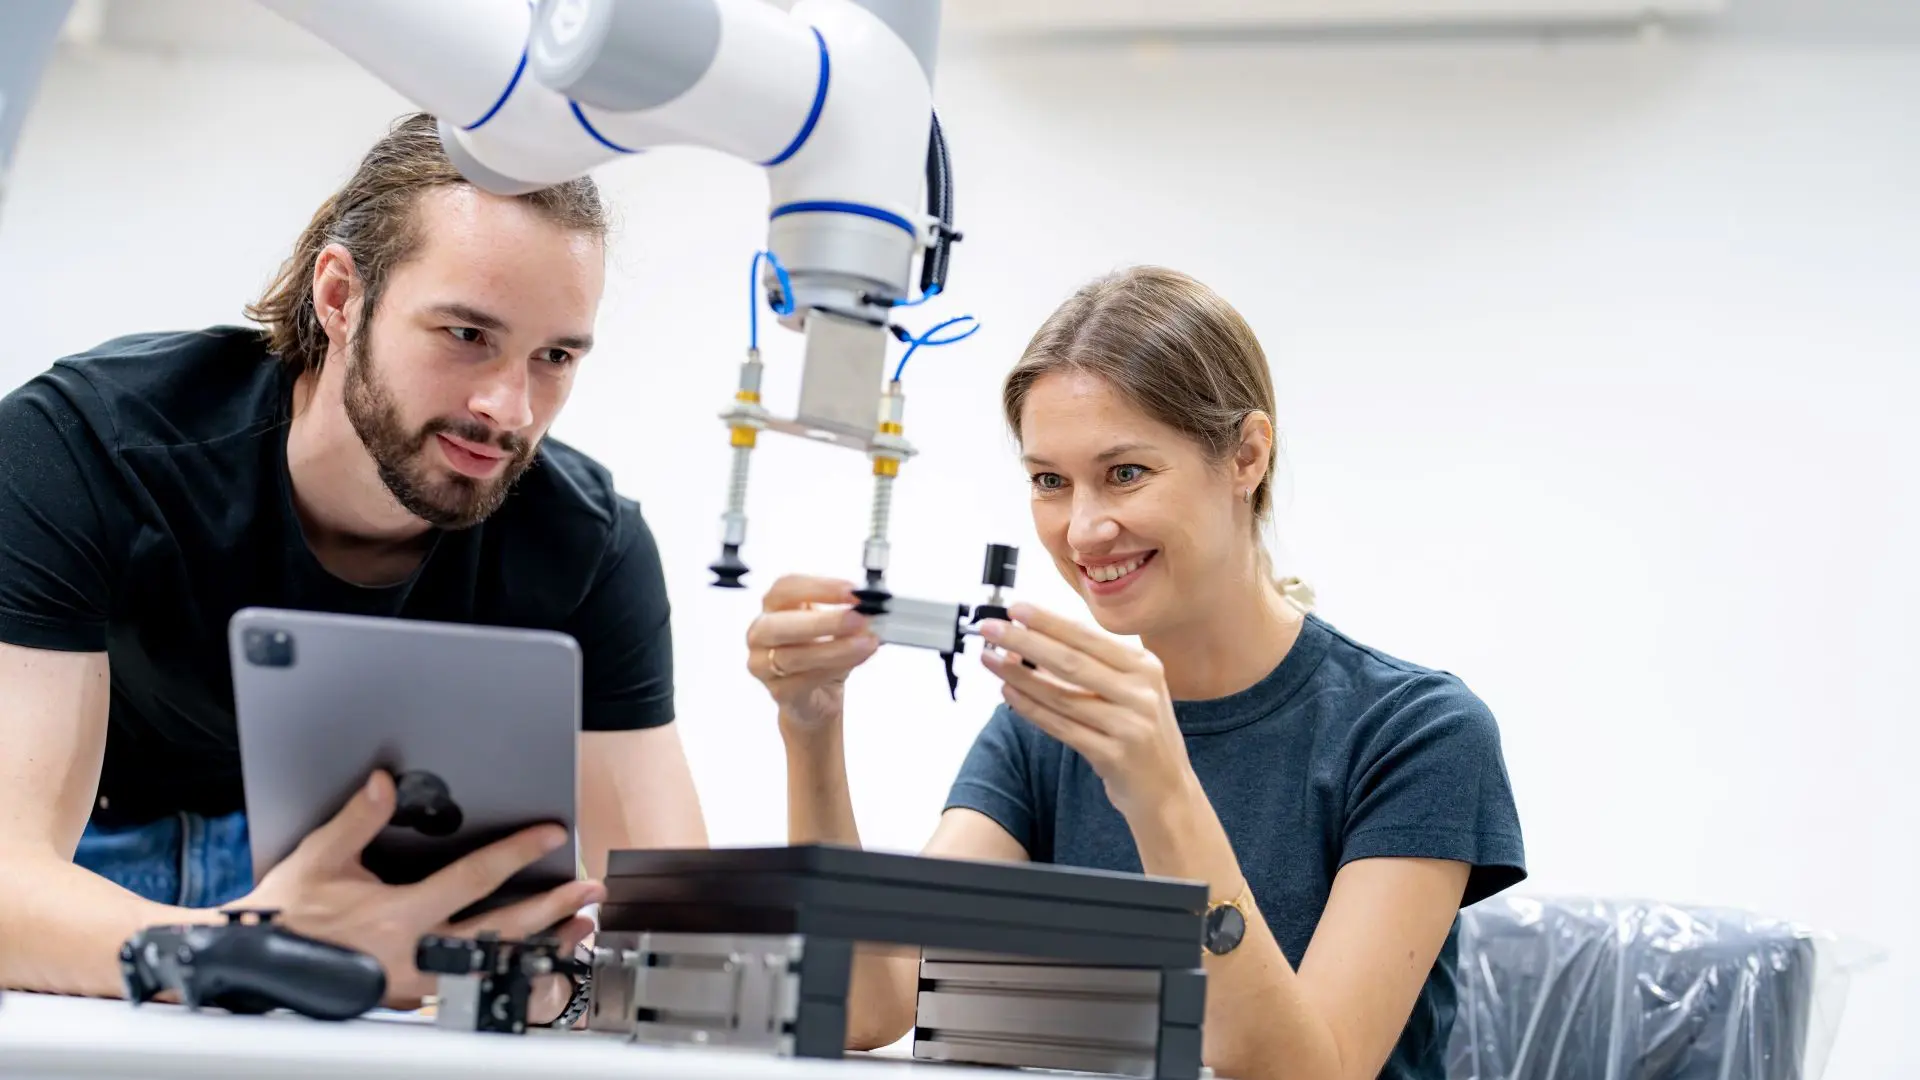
pixel 942 626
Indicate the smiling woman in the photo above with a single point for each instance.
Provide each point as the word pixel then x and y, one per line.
pixel 1341 805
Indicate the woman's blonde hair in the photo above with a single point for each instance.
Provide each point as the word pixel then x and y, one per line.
pixel 1171 346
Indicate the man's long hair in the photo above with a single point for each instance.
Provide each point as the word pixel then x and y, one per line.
pixel 372 217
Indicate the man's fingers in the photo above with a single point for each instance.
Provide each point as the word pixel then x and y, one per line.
pixel 802 627
pixel 475 876
pixel 795 590
pixel 573 932
pixel 341 840
pixel 533 916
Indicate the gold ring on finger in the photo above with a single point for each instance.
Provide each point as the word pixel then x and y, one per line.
pixel 773 664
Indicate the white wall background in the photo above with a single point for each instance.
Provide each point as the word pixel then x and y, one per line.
pixel 1593 360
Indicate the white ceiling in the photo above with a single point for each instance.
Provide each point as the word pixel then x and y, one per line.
pixel 242 27
pixel 1053 16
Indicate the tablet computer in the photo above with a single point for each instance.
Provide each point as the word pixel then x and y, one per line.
pixel 480 724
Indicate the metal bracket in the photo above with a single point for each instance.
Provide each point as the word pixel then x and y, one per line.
pixel 840 384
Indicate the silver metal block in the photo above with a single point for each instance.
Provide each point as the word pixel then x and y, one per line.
pixel 1061 1015
pixel 458 1003
pixel 926 624
pixel 840 385
pixel 610 1000
pixel 1038 1015
pixel 718 990
pixel 1084 1059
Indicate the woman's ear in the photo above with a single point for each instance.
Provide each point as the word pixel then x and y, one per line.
pixel 1250 461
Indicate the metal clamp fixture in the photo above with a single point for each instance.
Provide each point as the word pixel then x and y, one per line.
pixel 485 983
pixel 782 994
pixel 938 625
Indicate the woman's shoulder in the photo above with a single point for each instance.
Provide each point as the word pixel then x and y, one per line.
pixel 1379 689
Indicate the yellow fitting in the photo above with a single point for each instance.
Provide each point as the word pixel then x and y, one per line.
pixel 748 397
pixel 886 466
pixel 888 427
pixel 744 436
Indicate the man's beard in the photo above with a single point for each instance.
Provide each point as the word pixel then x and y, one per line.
pixel 451 501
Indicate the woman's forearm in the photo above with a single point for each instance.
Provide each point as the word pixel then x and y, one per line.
pixel 1259 1023
pixel 882 996
pixel 819 799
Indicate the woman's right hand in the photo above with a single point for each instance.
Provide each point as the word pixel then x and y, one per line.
pixel 803 644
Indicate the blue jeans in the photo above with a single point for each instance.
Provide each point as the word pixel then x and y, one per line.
pixel 185 860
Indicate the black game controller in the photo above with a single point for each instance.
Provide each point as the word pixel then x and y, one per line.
pixel 250 967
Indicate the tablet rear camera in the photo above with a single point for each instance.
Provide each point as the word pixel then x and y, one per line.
pixel 269 648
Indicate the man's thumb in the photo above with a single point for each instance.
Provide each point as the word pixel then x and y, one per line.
pixel 342 839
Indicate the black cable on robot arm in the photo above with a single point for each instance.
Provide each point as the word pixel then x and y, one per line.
pixel 933 268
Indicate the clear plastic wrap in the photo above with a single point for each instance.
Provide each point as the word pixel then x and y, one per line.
pixel 1600 989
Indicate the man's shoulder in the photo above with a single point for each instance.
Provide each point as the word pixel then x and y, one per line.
pixel 165 387
pixel 566 478
pixel 566 504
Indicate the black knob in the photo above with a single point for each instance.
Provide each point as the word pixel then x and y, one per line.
pixel 728 571
pixel 423 802
pixel 1002 561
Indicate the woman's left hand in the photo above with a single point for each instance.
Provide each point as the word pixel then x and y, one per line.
pixel 1105 699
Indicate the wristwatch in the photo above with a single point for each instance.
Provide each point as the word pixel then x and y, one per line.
pixel 581 975
pixel 1226 922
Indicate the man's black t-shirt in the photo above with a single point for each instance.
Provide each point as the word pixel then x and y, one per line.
pixel 144 498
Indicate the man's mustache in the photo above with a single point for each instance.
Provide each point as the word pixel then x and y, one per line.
pixel 474 432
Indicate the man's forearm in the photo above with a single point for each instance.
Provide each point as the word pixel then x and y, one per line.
pixel 63 925
pixel 880 999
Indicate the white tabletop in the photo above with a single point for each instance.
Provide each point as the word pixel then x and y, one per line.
pixel 44 1036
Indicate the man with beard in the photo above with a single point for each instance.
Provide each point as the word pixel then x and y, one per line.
pixel 376 448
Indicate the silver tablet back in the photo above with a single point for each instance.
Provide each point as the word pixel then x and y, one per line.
pixel 322 700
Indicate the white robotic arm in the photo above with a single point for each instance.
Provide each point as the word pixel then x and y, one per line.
pixel 832 99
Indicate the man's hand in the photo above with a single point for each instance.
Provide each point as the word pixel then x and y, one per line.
pixel 323 891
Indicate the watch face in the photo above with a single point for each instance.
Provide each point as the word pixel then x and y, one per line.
pixel 1225 927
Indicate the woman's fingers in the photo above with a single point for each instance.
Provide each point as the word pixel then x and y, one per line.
pixel 1083 739
pixel 799 590
pixel 832 657
pixel 1097 644
pixel 1060 659
pixel 776 628
pixel 1084 707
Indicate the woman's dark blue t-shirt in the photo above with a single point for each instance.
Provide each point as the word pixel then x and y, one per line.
pixel 1340 753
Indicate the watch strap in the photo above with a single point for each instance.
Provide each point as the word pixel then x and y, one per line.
pixel 581 976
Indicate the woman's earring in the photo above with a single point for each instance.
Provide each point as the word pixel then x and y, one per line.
pixel 1247 496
